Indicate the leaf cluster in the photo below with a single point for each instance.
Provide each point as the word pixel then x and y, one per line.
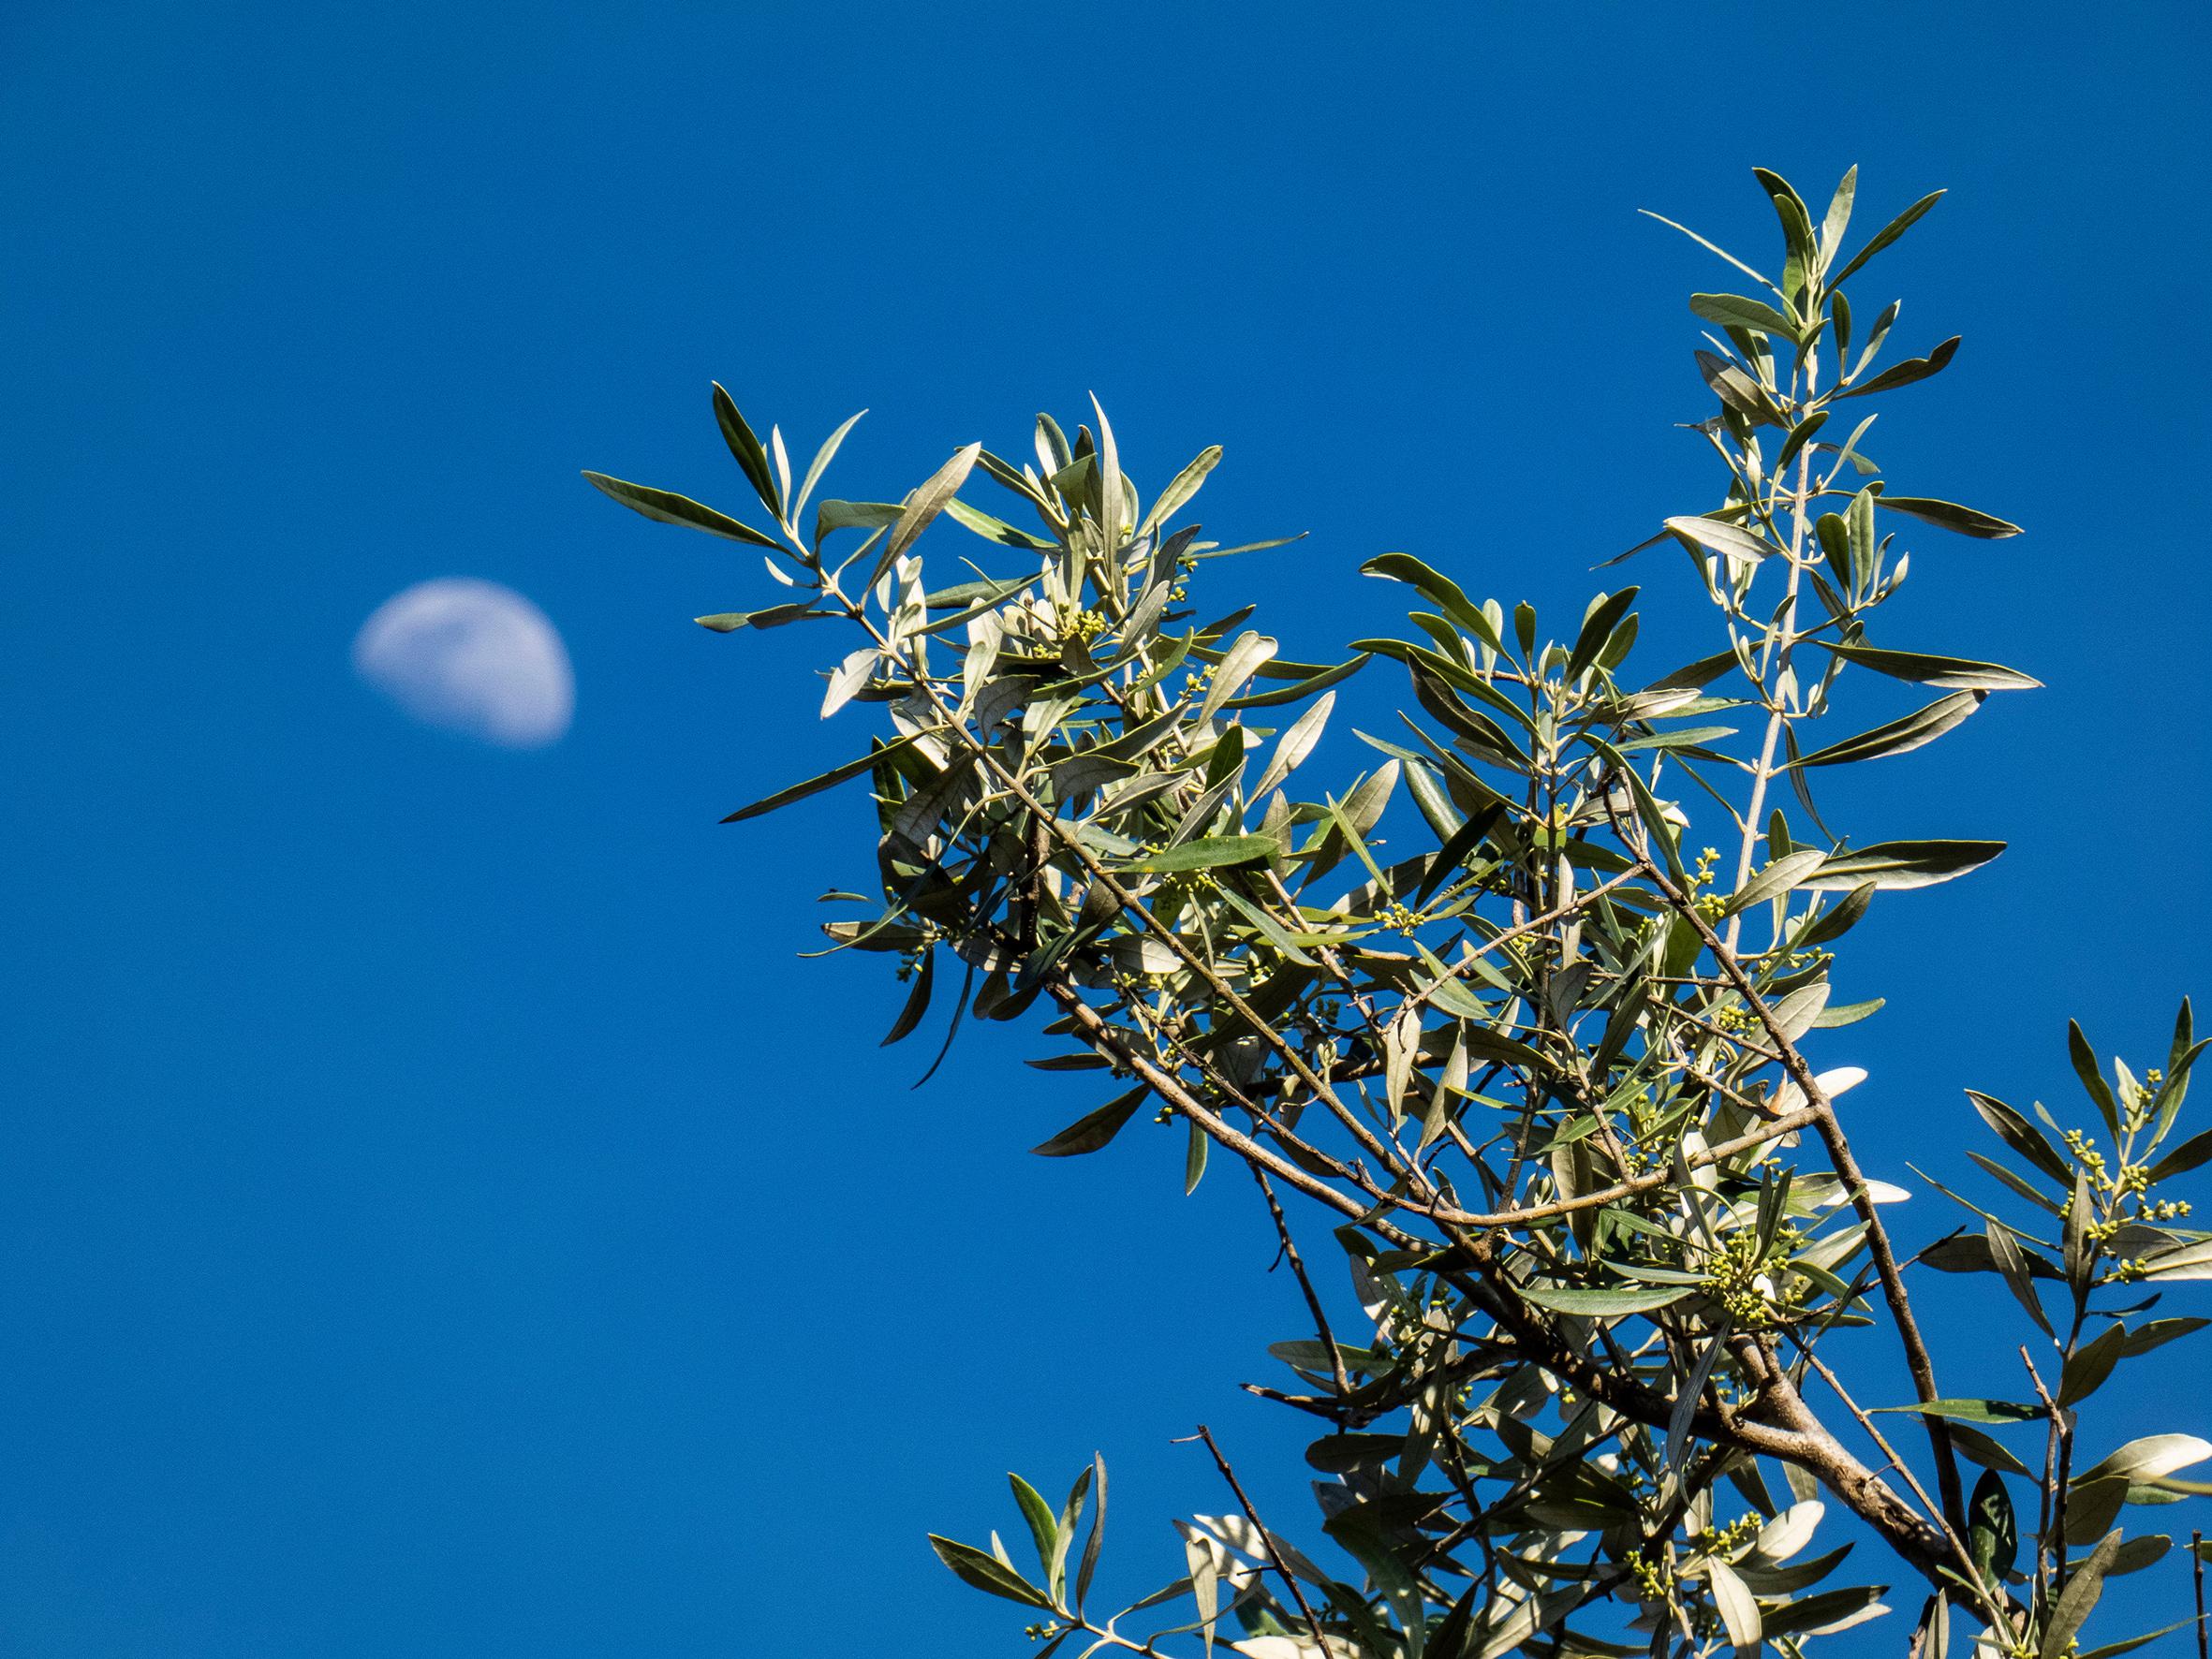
pixel 1536 1060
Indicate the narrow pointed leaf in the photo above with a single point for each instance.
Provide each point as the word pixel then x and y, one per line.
pixel 822 458
pixel 1094 1129
pixel 1905 373
pixel 1953 673
pixel 1602 1303
pixel 1949 515
pixel 2077 1599
pixel 1899 737
pixel 665 506
pixel 750 456
pixel 1210 853
pixel 1732 311
pixel 1181 488
pixel 924 504
pixel 1730 541
pixel 986 1573
pixel 1886 235
pixel 815 785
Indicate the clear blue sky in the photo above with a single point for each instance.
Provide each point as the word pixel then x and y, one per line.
pixel 437 1214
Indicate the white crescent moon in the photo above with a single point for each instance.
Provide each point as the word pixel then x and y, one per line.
pixel 470 656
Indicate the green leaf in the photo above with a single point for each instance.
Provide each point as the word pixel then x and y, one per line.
pixel 2152 1458
pixel 1711 248
pixel 1194 1158
pixel 1893 866
pixel 815 785
pixel 1949 515
pixel 1732 311
pixel 2088 1366
pixel 1958 673
pixel 820 463
pixel 2158 1332
pixel 1088 1133
pixel 1207 853
pixel 1905 373
pixel 1730 541
pixel 1295 744
pixel 1044 1531
pixel 2191 1152
pixel 1439 590
pixel 2137 1553
pixel 1110 478
pixel 1899 737
pixel 924 504
pixel 1977 1448
pixel 2012 1265
pixel 1886 235
pixel 2085 1067
pixel 665 506
pixel 2076 1600
pixel 1268 928
pixel 1738 390
pixel 917 1001
pixel 1800 435
pixel 997 530
pixel 1830 1610
pixel 1238 663
pixel 832 515
pixel 986 1573
pixel 2193 1261
pixel 2022 1136
pixel 1181 488
pixel 1091 1544
pixel 1838 920
pixel 1739 1608
pixel 1778 878
pixel 1839 216
pixel 2113 1649
pixel 1993 1535
pixel 1300 690
pixel 729 622
pixel 1972 1411
pixel 750 455
pixel 1597 629
pixel 1605 1303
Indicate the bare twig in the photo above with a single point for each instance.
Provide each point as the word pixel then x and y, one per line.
pixel 2053 1509
pixel 2196 1554
pixel 1313 1302
pixel 1991 1607
pixel 1266 1540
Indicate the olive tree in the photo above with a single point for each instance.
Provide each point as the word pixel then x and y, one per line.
pixel 1493 1022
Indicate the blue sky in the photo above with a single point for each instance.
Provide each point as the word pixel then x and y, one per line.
pixel 440 1217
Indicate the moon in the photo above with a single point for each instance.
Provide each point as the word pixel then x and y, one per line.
pixel 470 656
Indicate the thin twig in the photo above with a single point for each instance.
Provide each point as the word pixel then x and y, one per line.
pixel 1917 1359
pixel 2196 1552
pixel 1865 1422
pixel 2054 1491
pixel 1313 1302
pixel 1265 1538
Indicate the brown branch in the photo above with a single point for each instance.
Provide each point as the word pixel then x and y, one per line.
pixel 1313 1302
pixel 1266 1541
pixel 2196 1556
pixel 1560 913
pixel 2053 1542
pixel 1169 1087
pixel 1917 1359
pixel 1991 1605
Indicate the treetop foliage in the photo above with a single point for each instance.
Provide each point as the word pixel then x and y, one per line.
pixel 1532 1053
